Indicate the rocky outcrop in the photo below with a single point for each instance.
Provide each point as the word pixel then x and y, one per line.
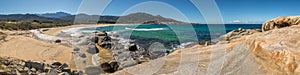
pixel 274 52
pixel 13 66
pixel 281 22
pixel 123 54
pixel 237 34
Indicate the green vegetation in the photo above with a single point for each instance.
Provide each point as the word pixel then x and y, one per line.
pixel 106 22
pixel 27 25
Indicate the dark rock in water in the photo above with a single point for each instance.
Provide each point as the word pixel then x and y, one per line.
pixel 133 48
pixel 92 49
pixel 94 70
pixel 107 68
pixel 146 42
pixel 55 64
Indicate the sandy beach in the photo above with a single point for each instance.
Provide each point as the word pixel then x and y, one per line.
pixel 24 46
pixel 55 31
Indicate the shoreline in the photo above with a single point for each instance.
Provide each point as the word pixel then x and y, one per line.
pixel 81 59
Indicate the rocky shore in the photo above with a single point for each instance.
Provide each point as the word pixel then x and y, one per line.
pixel 274 51
pixel 112 54
pixel 14 66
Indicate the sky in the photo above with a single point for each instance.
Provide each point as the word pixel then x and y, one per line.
pixel 232 11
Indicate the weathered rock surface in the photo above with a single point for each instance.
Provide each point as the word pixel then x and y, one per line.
pixel 237 34
pixel 274 52
pixel 280 22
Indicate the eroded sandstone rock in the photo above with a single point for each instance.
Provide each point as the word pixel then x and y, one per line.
pixel 280 22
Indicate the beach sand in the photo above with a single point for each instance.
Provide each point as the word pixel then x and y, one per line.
pixel 27 48
pixel 55 31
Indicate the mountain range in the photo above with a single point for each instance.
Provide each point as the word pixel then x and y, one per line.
pixel 133 18
pixel 54 15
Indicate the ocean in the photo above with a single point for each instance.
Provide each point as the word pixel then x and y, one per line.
pixel 172 34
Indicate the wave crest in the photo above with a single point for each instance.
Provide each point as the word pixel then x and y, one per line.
pixel 150 29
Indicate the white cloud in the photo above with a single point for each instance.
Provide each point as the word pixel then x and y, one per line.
pixel 236 21
pixel 244 22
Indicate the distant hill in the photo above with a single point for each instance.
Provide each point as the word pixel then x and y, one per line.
pixel 82 17
pixel 146 18
pixel 26 17
pixel 134 18
pixel 54 15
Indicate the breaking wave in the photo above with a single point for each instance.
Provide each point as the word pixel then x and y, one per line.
pixel 150 29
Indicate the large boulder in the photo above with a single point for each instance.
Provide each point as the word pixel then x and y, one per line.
pixel 280 22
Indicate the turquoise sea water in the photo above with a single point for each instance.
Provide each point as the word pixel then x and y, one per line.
pixel 173 33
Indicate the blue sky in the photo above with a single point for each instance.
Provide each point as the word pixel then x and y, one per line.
pixel 233 11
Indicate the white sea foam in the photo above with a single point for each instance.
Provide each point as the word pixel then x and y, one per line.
pixel 184 45
pixel 150 29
